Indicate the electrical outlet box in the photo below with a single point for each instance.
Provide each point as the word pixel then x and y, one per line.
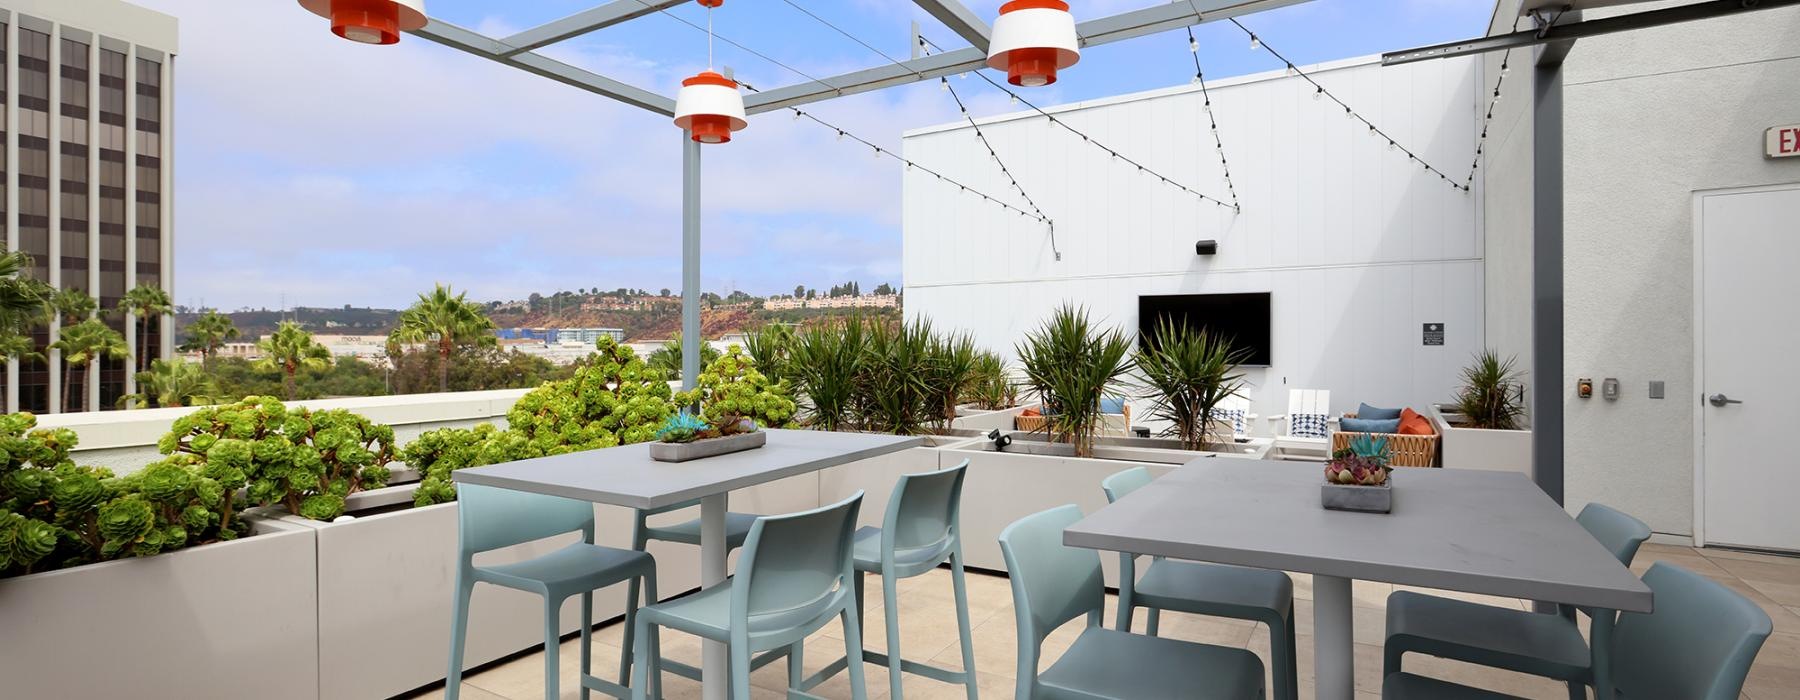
pixel 1584 388
pixel 1656 388
pixel 1609 389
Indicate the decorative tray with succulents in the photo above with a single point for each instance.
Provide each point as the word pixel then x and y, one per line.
pixel 685 436
pixel 1356 478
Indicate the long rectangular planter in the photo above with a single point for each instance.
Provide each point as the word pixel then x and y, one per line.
pixel 710 447
pixel 225 620
pixel 1475 448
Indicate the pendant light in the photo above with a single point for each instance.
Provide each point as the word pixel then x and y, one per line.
pixel 370 21
pixel 1033 39
pixel 709 105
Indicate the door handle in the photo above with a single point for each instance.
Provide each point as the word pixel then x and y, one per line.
pixel 1721 400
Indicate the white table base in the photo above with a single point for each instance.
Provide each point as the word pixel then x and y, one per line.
pixel 715 667
pixel 1334 650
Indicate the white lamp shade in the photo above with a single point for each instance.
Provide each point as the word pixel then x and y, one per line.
pixel 1041 28
pixel 707 98
pixel 370 21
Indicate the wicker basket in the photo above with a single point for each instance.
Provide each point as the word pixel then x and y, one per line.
pixel 1403 450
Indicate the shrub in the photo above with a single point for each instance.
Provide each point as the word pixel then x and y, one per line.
pixel 1188 373
pixel 438 452
pixel 1491 396
pixel 307 461
pixel 990 387
pixel 616 399
pixel 895 380
pixel 1071 364
pixel 826 363
pixel 731 391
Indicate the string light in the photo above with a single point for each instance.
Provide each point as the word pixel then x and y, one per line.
pixel 1320 92
pixel 1487 119
pixel 928 45
pixel 1213 123
pixel 995 155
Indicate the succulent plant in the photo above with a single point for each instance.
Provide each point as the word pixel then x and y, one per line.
pixel 735 398
pixel 47 503
pixel 436 453
pixel 281 456
pixel 615 400
pixel 1363 463
pixel 683 427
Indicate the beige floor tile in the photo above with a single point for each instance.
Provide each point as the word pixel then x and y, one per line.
pixel 1718 553
pixel 469 692
pixel 1776 673
pixel 1779 571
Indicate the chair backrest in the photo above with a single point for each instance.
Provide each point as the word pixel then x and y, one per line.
pixel 1123 483
pixel 1619 533
pixel 795 561
pixel 1698 644
pixel 1051 583
pixel 1309 410
pixel 1112 405
pixel 925 509
pixel 491 518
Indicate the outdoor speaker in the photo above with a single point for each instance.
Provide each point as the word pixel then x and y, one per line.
pixel 1206 247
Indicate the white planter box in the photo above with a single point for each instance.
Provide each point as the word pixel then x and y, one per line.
pixel 984 421
pixel 386 583
pixel 225 620
pixel 1492 450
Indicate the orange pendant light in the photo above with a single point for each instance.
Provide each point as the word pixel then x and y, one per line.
pixel 709 105
pixel 369 21
pixel 1033 39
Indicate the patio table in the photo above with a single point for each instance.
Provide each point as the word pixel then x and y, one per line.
pixel 626 476
pixel 1485 532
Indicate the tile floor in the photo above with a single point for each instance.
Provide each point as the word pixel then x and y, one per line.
pixel 928 631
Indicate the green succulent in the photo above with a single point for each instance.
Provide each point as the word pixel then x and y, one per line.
pixel 735 398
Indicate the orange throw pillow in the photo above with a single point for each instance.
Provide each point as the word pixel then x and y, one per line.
pixel 1411 423
pixel 1030 412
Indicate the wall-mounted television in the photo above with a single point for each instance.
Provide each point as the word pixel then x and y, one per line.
pixel 1244 318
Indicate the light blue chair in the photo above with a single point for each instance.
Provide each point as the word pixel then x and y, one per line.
pixel 1540 644
pixel 922 529
pixel 1053 584
pixel 794 576
pixel 737 528
pixel 1218 590
pixel 1697 645
pixel 491 518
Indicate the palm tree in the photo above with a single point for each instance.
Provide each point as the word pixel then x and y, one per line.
pixel 668 357
pixel 23 300
pixel 172 383
pixel 147 303
pixel 209 333
pixel 73 305
pixel 82 343
pixel 448 319
pixel 289 349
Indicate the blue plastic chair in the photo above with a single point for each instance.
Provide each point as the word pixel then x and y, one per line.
pixel 1697 645
pixel 922 529
pixel 1218 590
pixel 1540 644
pixel 491 518
pixel 737 528
pixel 794 576
pixel 1053 584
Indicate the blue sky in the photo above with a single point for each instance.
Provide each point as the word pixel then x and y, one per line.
pixel 316 172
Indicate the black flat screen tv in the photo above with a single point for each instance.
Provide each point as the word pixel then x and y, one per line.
pixel 1244 318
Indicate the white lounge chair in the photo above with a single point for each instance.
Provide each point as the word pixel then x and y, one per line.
pixel 1305 430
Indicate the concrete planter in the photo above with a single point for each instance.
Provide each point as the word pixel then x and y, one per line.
pixel 1473 448
pixel 983 421
pixel 1360 499
pixel 225 620
pixel 710 447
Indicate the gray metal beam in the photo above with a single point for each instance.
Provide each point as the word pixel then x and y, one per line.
pixel 1566 31
pixel 615 12
pixel 1547 429
pixel 1125 25
pixel 960 19
pixel 690 262
pixel 492 49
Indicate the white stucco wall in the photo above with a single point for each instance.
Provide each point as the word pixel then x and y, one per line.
pixel 1651 116
pixel 1358 245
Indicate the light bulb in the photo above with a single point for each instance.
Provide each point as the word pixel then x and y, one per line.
pixel 1015 99
pixel 1193 46
pixel 840 135
pixel 1255 43
pixel 1390 145
pixel 1505 69
pixel 1290 70
pixel 877 153
pixel 1196 81
pixel 944 84
pixel 796 115
pixel 1318 94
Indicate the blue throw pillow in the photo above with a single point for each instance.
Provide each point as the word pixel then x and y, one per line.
pixel 1114 405
pixel 1364 425
pixel 1367 412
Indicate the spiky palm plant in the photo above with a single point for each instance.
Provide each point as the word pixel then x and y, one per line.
pixel 209 333
pixel 949 374
pixel 992 387
pixel 895 377
pixel 667 359
pixel 289 349
pixel 1490 396
pixel 1187 373
pixel 826 363
pixel 172 383
pixel 1071 363
pixel 447 319
pixel 768 347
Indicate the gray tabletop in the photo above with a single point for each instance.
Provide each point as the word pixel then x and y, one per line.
pixel 626 476
pixel 1473 531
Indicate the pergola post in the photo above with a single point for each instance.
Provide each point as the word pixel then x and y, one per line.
pixel 1547 270
pixel 690 261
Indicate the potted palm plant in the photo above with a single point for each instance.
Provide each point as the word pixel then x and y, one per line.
pixel 1486 426
pixel 1187 374
pixel 1070 363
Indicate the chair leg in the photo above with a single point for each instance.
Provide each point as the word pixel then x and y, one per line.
pixel 459 632
pixel 587 642
pixel 631 606
pixel 644 651
pixel 1152 616
pixel 1282 664
pixel 740 671
pixel 853 650
pixel 655 662
pixel 796 664
pixel 891 613
pixel 552 648
pixel 962 622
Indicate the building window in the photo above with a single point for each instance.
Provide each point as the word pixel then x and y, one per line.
pixel 74 151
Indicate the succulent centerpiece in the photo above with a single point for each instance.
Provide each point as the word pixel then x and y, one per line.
pixel 1356 478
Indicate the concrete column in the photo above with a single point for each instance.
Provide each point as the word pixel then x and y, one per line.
pixel 1547 276
pixel 690 261
pixel 167 348
pixel 12 180
pixel 131 217
pixel 55 226
pixel 93 213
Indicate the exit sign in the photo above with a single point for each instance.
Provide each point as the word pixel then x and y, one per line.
pixel 1782 142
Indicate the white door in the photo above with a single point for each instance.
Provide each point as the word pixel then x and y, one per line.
pixel 1749 377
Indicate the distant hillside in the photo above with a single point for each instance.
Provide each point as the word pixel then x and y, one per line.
pixel 346 320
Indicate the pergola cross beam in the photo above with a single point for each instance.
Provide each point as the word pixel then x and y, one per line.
pixel 473 42
pixel 594 19
pixel 960 19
